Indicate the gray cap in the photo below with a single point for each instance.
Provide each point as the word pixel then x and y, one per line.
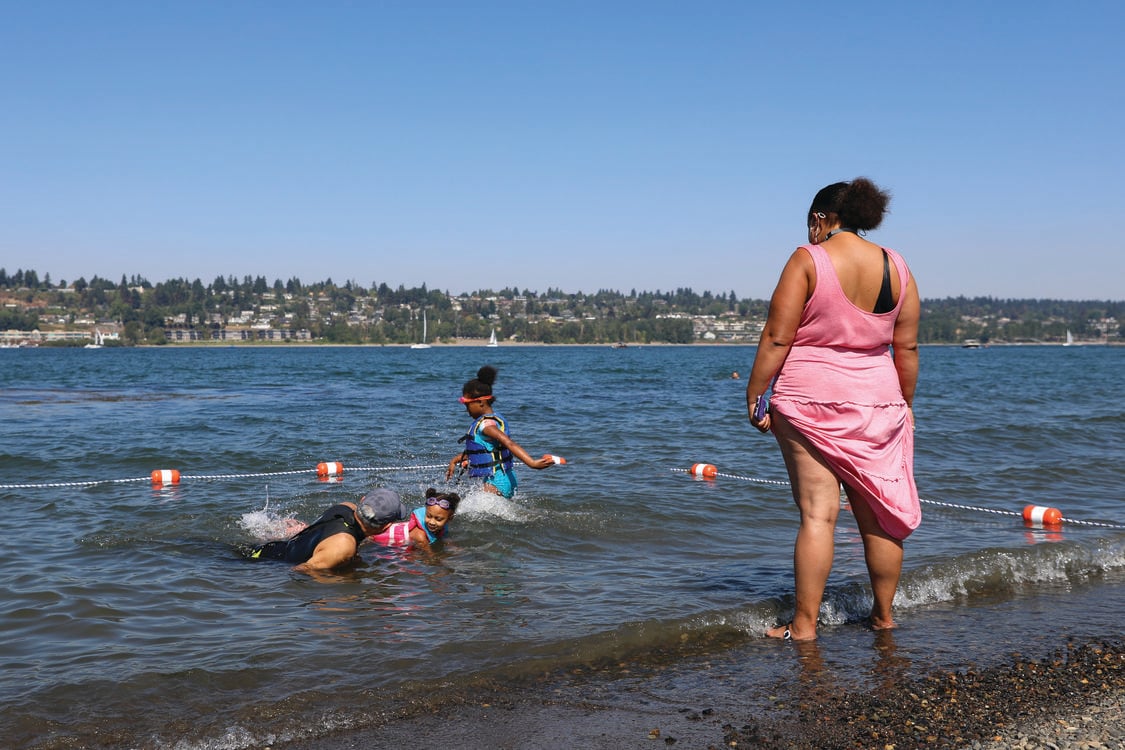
pixel 381 506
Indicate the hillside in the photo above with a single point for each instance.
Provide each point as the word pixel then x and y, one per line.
pixel 134 311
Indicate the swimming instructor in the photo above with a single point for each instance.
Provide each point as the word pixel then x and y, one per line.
pixel 333 539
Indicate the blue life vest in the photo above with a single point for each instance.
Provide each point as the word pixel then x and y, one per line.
pixel 420 520
pixel 484 457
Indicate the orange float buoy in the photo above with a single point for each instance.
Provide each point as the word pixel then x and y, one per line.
pixel 165 476
pixel 703 471
pixel 558 460
pixel 1041 515
pixel 329 468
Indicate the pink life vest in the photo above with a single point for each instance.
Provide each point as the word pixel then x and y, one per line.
pixel 397 534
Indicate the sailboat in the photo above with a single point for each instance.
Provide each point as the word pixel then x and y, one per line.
pixel 99 340
pixel 422 344
pixel 1069 338
pixel 492 339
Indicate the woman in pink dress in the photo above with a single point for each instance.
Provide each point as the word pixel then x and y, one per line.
pixel 840 347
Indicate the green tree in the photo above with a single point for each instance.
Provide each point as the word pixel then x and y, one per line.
pixel 133 333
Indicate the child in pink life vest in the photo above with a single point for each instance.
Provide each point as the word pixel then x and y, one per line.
pixel 425 526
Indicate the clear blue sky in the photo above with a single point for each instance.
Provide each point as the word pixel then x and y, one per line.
pixel 580 145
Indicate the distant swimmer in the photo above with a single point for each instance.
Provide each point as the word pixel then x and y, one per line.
pixel 734 375
pixel 489 447
pixel 333 539
pixel 425 526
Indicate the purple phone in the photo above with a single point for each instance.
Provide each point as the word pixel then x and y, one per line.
pixel 761 404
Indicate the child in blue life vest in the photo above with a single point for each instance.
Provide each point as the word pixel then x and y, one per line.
pixel 425 526
pixel 489 447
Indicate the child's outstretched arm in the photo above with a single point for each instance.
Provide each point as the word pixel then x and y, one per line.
pixel 493 433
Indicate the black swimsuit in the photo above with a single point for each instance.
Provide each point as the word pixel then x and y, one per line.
pixel 299 548
pixel 886 301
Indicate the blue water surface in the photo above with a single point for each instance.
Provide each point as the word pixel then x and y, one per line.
pixel 124 599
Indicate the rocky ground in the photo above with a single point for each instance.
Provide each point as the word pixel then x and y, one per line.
pixel 1071 700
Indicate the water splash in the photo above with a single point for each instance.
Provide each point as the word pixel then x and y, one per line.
pixel 479 504
pixel 266 525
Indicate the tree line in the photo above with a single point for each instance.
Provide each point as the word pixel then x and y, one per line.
pixel 378 313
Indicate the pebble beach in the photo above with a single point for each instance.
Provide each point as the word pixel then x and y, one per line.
pixel 1071 700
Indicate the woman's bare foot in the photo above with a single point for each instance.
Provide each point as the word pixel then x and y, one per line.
pixel 786 632
pixel 880 623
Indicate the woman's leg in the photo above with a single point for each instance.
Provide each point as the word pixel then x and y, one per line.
pixel 816 490
pixel 883 554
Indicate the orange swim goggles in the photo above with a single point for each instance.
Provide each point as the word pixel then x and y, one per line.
pixel 467 400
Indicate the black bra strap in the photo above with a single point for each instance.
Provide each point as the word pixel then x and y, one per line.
pixel 886 301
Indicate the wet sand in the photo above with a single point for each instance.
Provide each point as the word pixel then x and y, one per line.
pixel 1014 686
pixel 1072 699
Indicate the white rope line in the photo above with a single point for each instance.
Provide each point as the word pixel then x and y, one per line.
pixel 1018 515
pixel 971 507
pixel 72 484
pixel 244 476
pixel 752 479
pixel 252 475
pixel 924 500
pixel 183 477
pixel 348 469
pixel 1094 523
pixel 399 468
pixel 737 476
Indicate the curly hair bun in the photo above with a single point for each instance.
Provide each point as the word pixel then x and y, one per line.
pixel 859 204
pixel 487 375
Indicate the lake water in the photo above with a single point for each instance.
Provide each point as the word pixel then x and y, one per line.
pixel 132 617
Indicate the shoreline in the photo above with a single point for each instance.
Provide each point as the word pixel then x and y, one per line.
pixel 1069 698
pixel 483 344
